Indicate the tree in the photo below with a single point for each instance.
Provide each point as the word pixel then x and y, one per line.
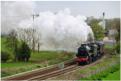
pixel 97 29
pixel 30 36
pixel 4 56
pixel 114 24
pixel 12 39
pixel 11 42
pixel 24 52
pixel 25 35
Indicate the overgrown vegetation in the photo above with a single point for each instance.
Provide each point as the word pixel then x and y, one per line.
pixel 37 60
pixel 113 76
pixel 115 25
pixel 104 73
pixel 19 50
pixel 97 29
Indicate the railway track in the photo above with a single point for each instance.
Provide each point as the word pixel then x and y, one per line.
pixel 62 71
pixel 44 74
pixel 55 73
pixel 50 72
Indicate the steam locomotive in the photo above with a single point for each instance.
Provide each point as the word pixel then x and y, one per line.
pixel 89 52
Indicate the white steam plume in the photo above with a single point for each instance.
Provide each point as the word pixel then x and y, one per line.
pixel 14 12
pixel 60 31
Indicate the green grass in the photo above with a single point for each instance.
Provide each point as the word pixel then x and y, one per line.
pixel 37 60
pixel 109 46
pixel 110 73
pixel 105 74
pixel 15 64
pixel 13 68
pixel 50 55
pixel 113 76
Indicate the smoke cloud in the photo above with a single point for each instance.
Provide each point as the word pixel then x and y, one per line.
pixel 59 31
pixel 12 13
pixel 56 31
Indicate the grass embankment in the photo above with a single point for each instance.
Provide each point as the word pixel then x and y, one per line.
pixel 107 69
pixel 37 60
pixel 113 76
pixel 105 72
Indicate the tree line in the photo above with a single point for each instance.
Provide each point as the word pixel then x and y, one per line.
pixel 98 31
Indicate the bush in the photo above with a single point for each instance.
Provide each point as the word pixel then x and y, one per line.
pixel 109 49
pixel 5 56
pixel 23 53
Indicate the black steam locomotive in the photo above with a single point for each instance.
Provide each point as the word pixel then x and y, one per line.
pixel 89 52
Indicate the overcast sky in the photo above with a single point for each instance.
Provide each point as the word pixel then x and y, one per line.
pixel 86 8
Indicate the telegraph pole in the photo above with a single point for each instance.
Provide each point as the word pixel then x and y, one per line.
pixel 33 31
pixel 104 25
pixel 34 15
